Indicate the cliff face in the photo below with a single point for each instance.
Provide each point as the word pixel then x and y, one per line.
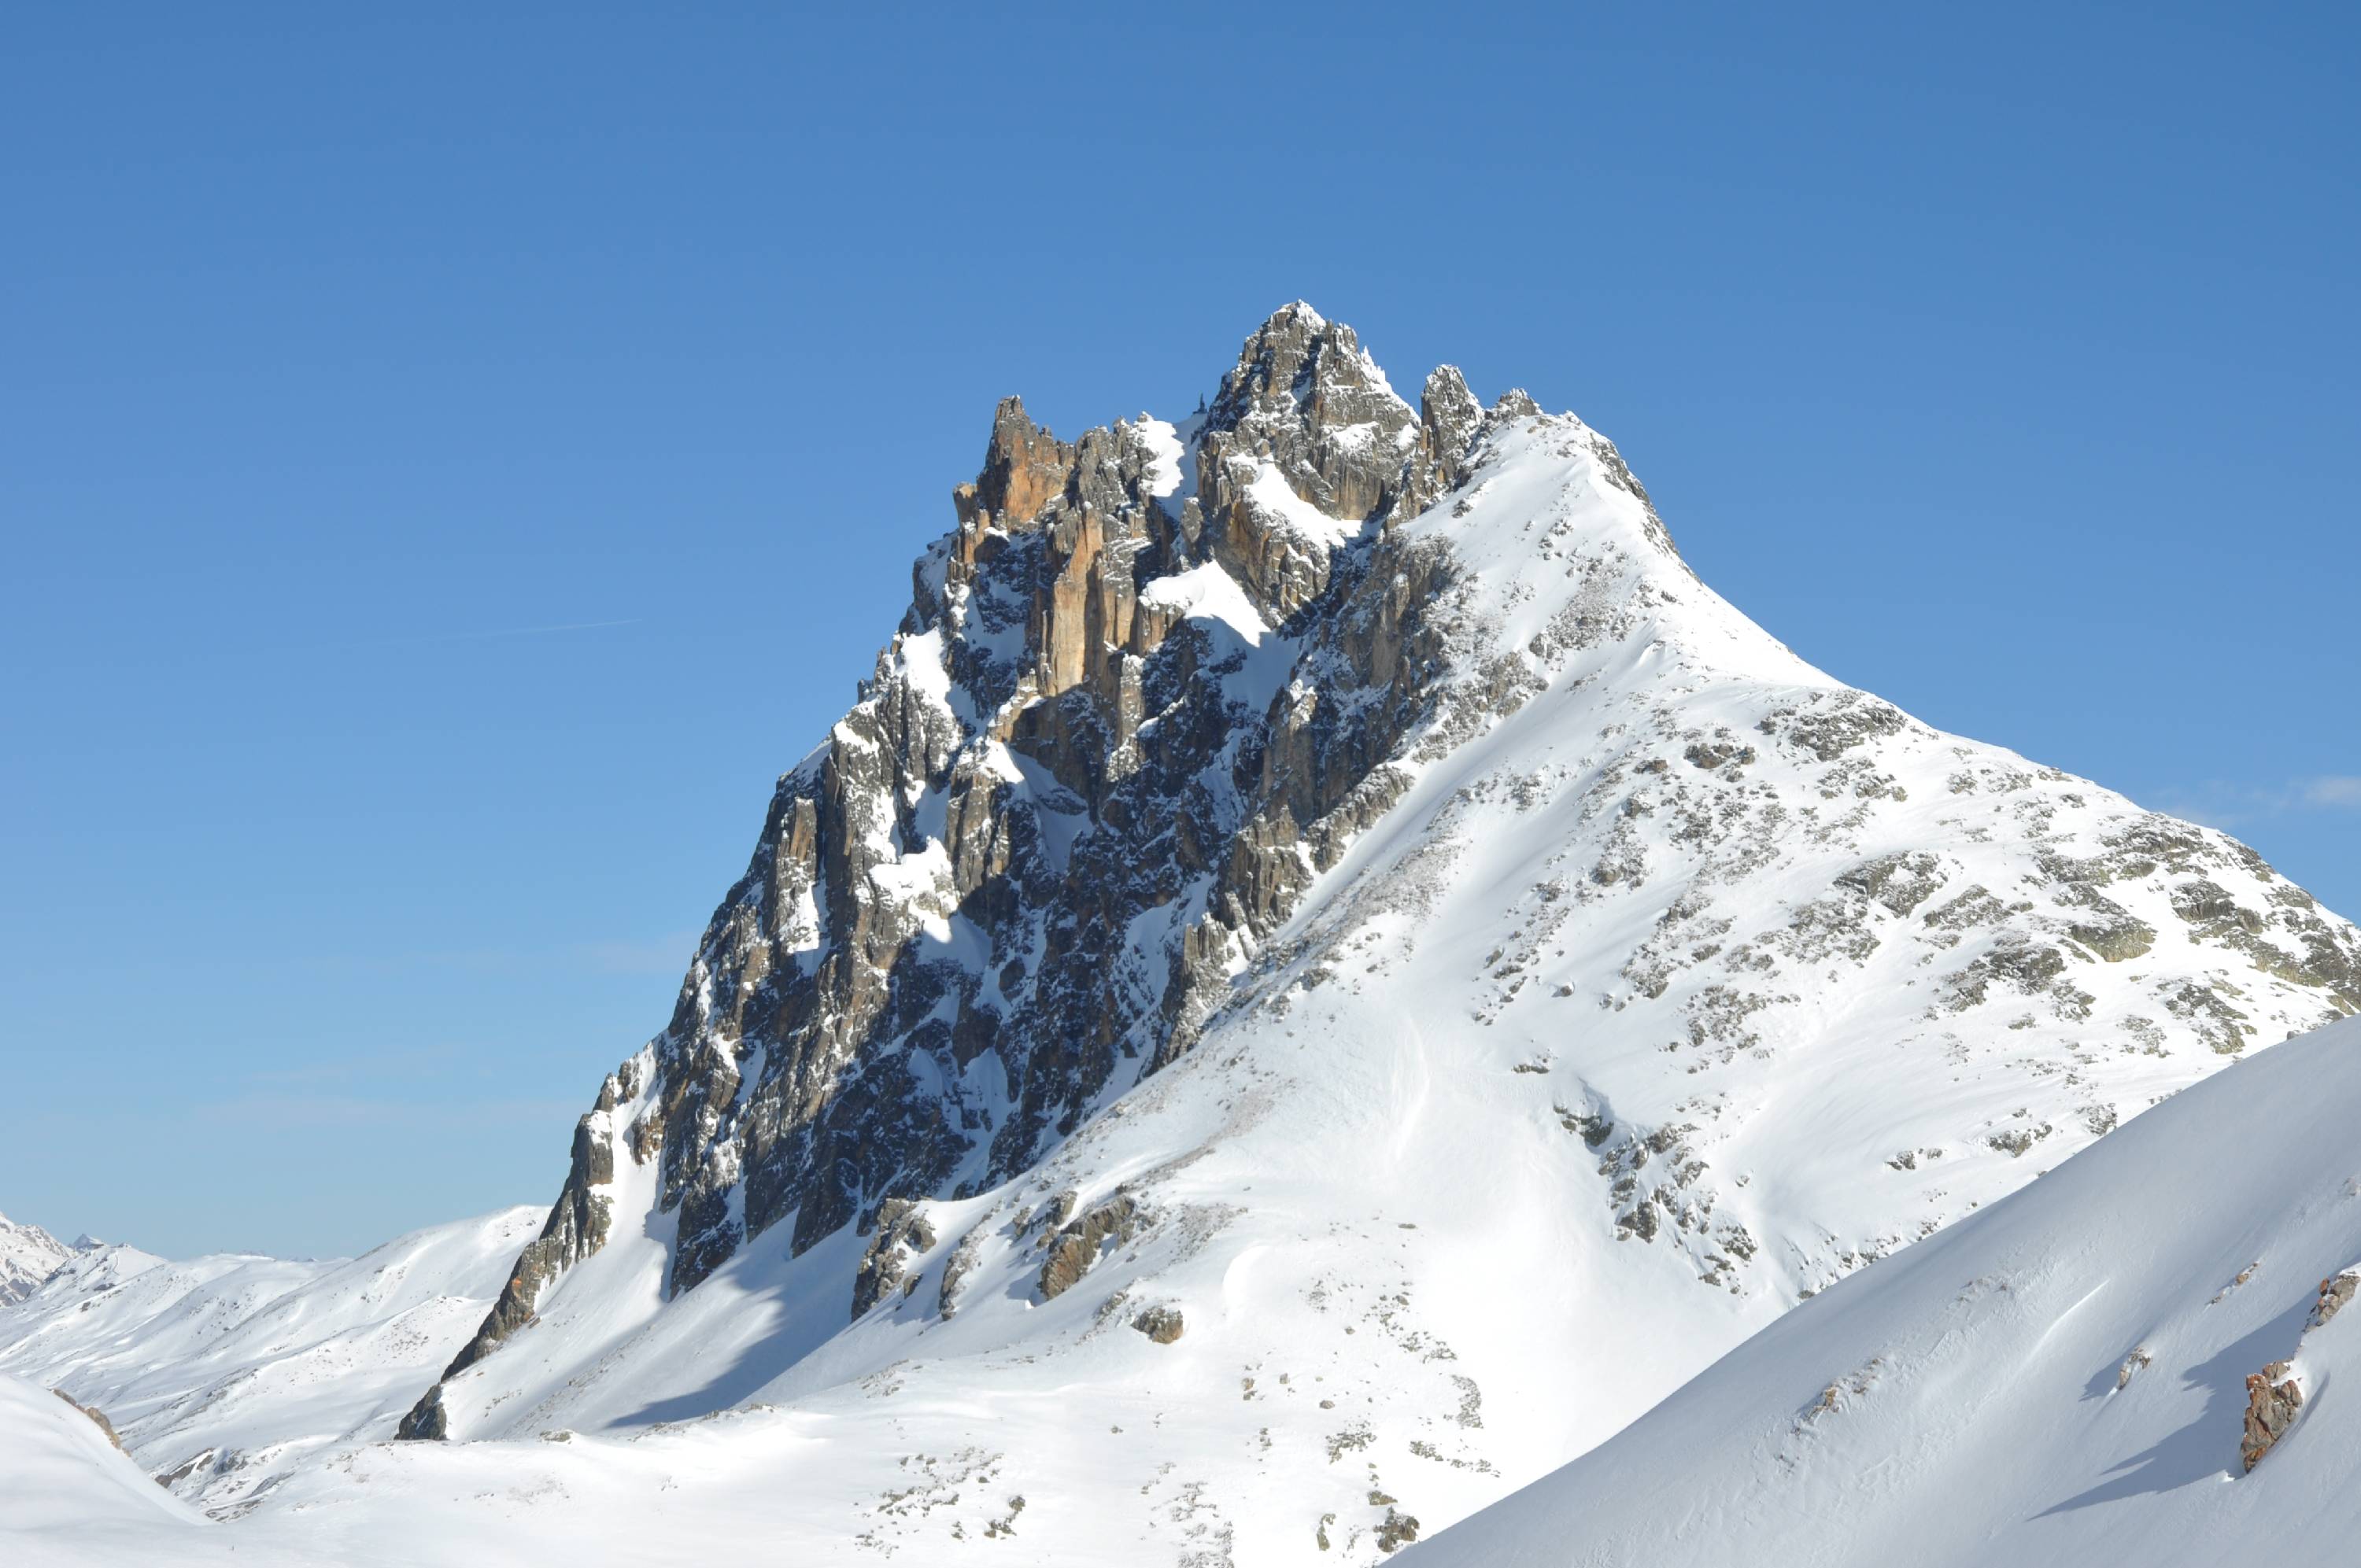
pixel 1158 682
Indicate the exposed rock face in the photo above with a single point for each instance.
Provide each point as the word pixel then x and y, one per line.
pixel 97 1416
pixel 902 1233
pixel 1162 1324
pixel 955 1269
pixel 1395 1530
pixel 1305 435
pixel 2334 1295
pixel 1076 1245
pixel 998 890
pixel 2274 1396
pixel 2272 1400
pixel 577 1226
pixel 427 1420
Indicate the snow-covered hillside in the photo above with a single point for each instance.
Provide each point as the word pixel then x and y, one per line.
pixel 68 1494
pixel 29 1254
pixel 1324 975
pixel 2062 1379
pixel 221 1373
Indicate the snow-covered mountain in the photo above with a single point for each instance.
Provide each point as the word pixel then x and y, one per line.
pixel 221 1373
pixel 1324 974
pixel 2080 1374
pixel 29 1254
pixel 1553 979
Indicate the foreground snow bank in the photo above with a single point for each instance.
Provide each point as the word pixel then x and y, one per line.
pixel 68 1492
pixel 2060 1379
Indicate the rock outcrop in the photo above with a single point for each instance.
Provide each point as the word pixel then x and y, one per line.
pixel 1074 1246
pixel 2273 1398
pixel 2336 1293
pixel 98 1417
pixel 2275 1395
pixel 902 1232
pixel 1162 1324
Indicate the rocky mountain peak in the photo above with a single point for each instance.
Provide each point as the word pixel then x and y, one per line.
pixel 1190 727
pixel 1025 467
pixel 1304 436
pixel 1299 365
pixel 1087 777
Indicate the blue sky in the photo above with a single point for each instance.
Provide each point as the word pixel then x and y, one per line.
pixel 454 462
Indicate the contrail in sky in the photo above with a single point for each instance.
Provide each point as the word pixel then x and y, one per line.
pixel 502 632
pixel 430 640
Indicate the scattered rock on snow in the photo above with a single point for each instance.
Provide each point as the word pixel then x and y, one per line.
pixel 1161 1324
pixel 2334 1294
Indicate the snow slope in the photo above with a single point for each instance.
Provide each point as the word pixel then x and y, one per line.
pixel 29 1254
pixel 222 1373
pixel 65 1492
pixel 2060 1379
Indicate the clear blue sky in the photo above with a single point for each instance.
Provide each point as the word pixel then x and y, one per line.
pixel 451 463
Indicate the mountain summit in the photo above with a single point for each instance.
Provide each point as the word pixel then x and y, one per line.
pixel 1147 690
pixel 1325 973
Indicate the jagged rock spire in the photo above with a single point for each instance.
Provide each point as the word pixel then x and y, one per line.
pixel 1025 467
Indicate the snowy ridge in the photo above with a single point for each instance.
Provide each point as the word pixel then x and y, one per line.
pixel 222 1373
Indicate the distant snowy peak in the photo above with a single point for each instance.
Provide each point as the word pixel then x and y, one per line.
pixel 222 1373
pixel 93 1271
pixel 29 1254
